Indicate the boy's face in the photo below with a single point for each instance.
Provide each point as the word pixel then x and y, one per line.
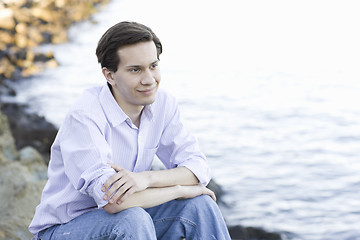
pixel 137 79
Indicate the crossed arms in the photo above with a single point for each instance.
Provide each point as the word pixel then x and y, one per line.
pixel 127 189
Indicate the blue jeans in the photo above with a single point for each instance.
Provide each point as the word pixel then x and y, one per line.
pixel 196 218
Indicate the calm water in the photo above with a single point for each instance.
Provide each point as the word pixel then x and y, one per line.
pixel 271 90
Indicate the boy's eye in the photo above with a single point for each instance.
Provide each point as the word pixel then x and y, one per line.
pixel 154 65
pixel 134 70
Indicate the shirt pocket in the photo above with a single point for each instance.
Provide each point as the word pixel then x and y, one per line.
pixel 147 159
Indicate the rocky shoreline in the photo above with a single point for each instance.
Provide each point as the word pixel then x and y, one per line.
pixel 25 24
pixel 25 138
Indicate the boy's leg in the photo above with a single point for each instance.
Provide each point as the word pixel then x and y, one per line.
pixel 132 223
pixel 195 218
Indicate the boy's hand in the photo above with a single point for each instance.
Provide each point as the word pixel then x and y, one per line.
pixel 196 190
pixel 123 184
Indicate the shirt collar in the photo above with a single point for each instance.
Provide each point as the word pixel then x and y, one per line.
pixel 148 111
pixel 113 111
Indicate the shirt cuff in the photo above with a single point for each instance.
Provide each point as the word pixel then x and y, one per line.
pixel 96 193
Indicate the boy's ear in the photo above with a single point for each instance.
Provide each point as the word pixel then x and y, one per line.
pixel 108 76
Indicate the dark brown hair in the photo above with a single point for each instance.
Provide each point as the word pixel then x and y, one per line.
pixel 122 34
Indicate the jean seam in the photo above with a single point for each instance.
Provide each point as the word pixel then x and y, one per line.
pixel 54 229
pixel 105 235
pixel 181 219
pixel 176 219
pixel 108 234
pixel 124 236
pixel 101 236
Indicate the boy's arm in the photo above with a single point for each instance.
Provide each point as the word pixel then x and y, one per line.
pixel 125 183
pixel 155 196
pixel 171 177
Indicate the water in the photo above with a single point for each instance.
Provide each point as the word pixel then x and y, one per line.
pixel 271 90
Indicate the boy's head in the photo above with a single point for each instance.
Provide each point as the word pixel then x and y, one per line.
pixel 119 35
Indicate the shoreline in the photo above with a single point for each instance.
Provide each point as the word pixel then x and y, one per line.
pixel 24 26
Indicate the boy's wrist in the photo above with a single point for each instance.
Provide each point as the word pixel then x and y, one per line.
pixel 178 191
pixel 147 176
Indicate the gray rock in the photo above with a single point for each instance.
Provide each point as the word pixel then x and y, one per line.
pixel 31 158
pixel 20 194
pixel 252 233
pixel 29 129
pixel 7 143
pixel 22 178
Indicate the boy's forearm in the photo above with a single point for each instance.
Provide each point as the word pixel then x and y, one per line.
pixel 152 197
pixel 147 198
pixel 171 177
pixel 125 183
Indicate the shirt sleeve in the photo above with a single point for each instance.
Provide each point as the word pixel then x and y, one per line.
pixel 85 154
pixel 179 148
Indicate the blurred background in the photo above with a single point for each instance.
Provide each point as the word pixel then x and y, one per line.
pixel 270 89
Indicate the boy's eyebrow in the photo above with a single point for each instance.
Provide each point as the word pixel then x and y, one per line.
pixel 133 66
pixel 139 66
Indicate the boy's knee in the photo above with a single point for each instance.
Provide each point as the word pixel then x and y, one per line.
pixel 137 216
pixel 136 223
pixel 203 204
pixel 202 201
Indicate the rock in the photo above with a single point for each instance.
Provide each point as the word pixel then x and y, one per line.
pixel 29 156
pixel 251 233
pixel 20 185
pixel 5 89
pixel 30 129
pixel 21 28
pixel 6 38
pixel 216 188
pixel 7 145
pixel 32 159
pixel 52 63
pixel 7 19
pixel 21 40
pixel 6 68
pixel 43 14
pixel 15 2
pixel 20 194
pixel 23 15
pixel 59 37
pixel 25 24
pixel 60 3
pixel 35 36
pixel 2 235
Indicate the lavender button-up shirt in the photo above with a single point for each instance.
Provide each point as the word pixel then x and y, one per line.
pixel 96 132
